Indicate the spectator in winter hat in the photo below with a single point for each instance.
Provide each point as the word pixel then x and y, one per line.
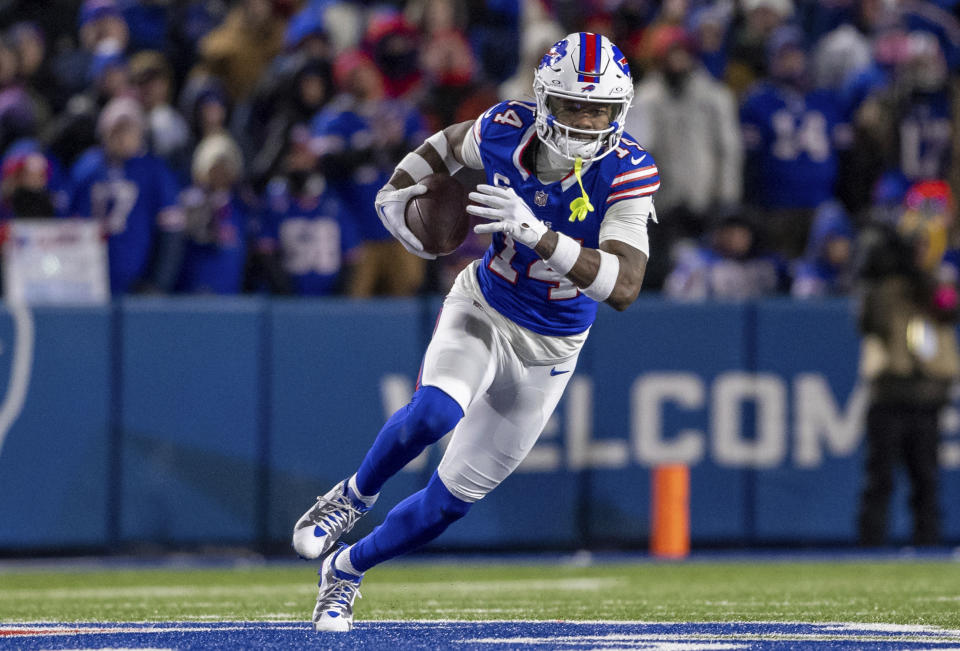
pixel 25 183
pixel 102 29
pixel 204 104
pixel 306 33
pixel 102 24
pixel 217 220
pixel 708 27
pixel 827 266
pixel 109 72
pixel 394 45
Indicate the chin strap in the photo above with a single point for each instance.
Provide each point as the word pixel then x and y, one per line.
pixel 580 206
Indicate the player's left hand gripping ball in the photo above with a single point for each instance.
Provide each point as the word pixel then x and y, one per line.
pixel 391 205
pixel 510 214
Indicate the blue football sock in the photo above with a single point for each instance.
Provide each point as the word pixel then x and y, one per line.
pixel 429 415
pixel 410 524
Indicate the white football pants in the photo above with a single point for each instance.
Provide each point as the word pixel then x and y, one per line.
pixel 506 401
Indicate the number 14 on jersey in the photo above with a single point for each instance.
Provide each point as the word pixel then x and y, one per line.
pixel 561 288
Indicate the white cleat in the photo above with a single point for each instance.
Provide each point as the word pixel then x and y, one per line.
pixel 334 609
pixel 333 515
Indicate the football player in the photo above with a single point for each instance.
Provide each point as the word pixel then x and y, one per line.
pixel 568 195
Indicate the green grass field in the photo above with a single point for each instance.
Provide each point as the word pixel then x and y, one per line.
pixel 917 592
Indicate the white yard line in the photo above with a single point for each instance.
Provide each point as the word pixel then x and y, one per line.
pixel 151 592
pixel 200 592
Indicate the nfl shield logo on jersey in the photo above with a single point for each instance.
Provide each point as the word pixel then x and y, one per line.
pixel 540 198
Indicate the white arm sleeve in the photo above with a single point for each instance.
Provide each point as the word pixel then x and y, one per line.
pixel 470 150
pixel 626 221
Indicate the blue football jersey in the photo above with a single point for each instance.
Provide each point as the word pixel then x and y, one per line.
pixel 791 144
pixel 513 278
pixel 926 137
pixel 315 237
pixel 131 201
pixel 216 248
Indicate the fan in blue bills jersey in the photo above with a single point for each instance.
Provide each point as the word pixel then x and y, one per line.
pixel 792 134
pixel 566 197
pixel 907 127
pixel 793 137
pixel 32 183
pixel 218 220
pixel 133 195
pixel 314 237
pixel 791 151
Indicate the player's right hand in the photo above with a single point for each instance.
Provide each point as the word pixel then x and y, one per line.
pixel 508 213
pixel 391 207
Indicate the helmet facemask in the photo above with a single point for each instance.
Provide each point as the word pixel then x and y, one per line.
pixel 577 142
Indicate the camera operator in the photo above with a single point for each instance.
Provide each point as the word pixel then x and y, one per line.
pixel 908 354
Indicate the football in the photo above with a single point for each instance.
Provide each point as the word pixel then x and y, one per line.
pixel 439 216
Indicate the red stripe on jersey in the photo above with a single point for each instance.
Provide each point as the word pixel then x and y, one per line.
pixel 634 192
pixel 635 175
pixel 522 152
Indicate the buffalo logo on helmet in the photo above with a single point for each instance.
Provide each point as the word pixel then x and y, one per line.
pixel 554 54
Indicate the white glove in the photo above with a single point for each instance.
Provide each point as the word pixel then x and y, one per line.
pixel 510 213
pixel 391 207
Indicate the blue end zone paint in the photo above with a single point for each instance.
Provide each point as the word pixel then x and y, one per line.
pixel 765 636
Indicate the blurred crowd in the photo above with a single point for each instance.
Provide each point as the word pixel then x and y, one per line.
pixel 231 147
